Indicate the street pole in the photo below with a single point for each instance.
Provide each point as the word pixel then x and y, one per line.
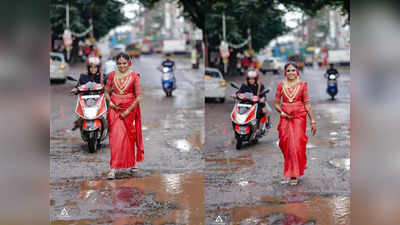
pixel 223 26
pixel 249 34
pixel 67 14
pixel 67 21
pixel 224 37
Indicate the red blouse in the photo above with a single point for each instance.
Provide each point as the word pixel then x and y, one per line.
pixel 295 94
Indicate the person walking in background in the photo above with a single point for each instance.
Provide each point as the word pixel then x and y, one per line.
pixel 293 104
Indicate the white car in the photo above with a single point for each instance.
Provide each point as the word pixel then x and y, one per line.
pixel 272 64
pixel 58 67
pixel 215 84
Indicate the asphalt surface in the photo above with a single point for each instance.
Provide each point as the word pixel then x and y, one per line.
pixel 247 187
pixel 192 173
pixel 168 188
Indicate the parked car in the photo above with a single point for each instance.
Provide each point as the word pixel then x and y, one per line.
pixel 134 50
pixel 215 84
pixel 58 67
pixel 272 64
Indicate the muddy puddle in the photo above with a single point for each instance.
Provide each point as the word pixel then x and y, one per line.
pixel 191 142
pixel 333 210
pixel 242 161
pixel 158 199
pixel 74 140
pixel 150 124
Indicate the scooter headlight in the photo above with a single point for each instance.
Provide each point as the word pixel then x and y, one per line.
pixel 90 112
pixel 165 70
pixel 332 77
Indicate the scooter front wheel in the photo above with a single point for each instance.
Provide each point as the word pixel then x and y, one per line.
pixel 92 142
pixel 239 143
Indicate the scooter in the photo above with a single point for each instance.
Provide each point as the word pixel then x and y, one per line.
pixel 91 107
pixel 168 80
pixel 332 85
pixel 244 118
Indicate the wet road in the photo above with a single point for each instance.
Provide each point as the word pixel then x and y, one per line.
pixel 244 187
pixel 169 186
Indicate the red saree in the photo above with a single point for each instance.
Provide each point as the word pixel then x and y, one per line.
pixel 292 132
pixel 125 133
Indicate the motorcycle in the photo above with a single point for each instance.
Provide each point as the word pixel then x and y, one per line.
pixel 244 118
pixel 168 81
pixel 332 85
pixel 91 107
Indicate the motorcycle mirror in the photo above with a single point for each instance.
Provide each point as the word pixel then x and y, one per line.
pixel 234 85
pixel 71 78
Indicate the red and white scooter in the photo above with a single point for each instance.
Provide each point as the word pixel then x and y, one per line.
pixel 91 107
pixel 244 118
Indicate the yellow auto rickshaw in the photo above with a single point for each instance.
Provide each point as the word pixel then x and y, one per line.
pixel 299 59
pixel 134 50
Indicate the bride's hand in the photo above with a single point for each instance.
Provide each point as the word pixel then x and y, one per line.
pixel 112 105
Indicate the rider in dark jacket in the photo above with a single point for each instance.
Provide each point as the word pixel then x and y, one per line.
pixel 254 85
pixel 94 74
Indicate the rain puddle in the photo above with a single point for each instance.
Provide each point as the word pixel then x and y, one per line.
pixel 196 140
pixel 192 142
pixel 333 133
pixel 158 199
pixel 183 145
pixel 75 140
pixel 314 210
pixel 317 142
pixel 243 160
pixel 343 163
pixel 152 124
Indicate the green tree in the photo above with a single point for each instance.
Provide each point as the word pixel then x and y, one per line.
pixel 105 15
pixel 261 16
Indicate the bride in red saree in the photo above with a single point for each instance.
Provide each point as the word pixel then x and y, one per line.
pixel 123 116
pixel 293 104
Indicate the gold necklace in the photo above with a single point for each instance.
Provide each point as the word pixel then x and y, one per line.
pixel 290 96
pixel 122 87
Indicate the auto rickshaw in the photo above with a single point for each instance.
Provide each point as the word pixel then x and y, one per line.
pixel 299 59
pixel 134 50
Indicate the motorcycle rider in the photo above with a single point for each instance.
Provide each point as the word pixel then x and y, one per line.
pixel 254 85
pixel 331 70
pixel 168 63
pixel 94 74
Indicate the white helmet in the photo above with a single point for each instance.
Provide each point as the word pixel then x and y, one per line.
pixel 252 74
